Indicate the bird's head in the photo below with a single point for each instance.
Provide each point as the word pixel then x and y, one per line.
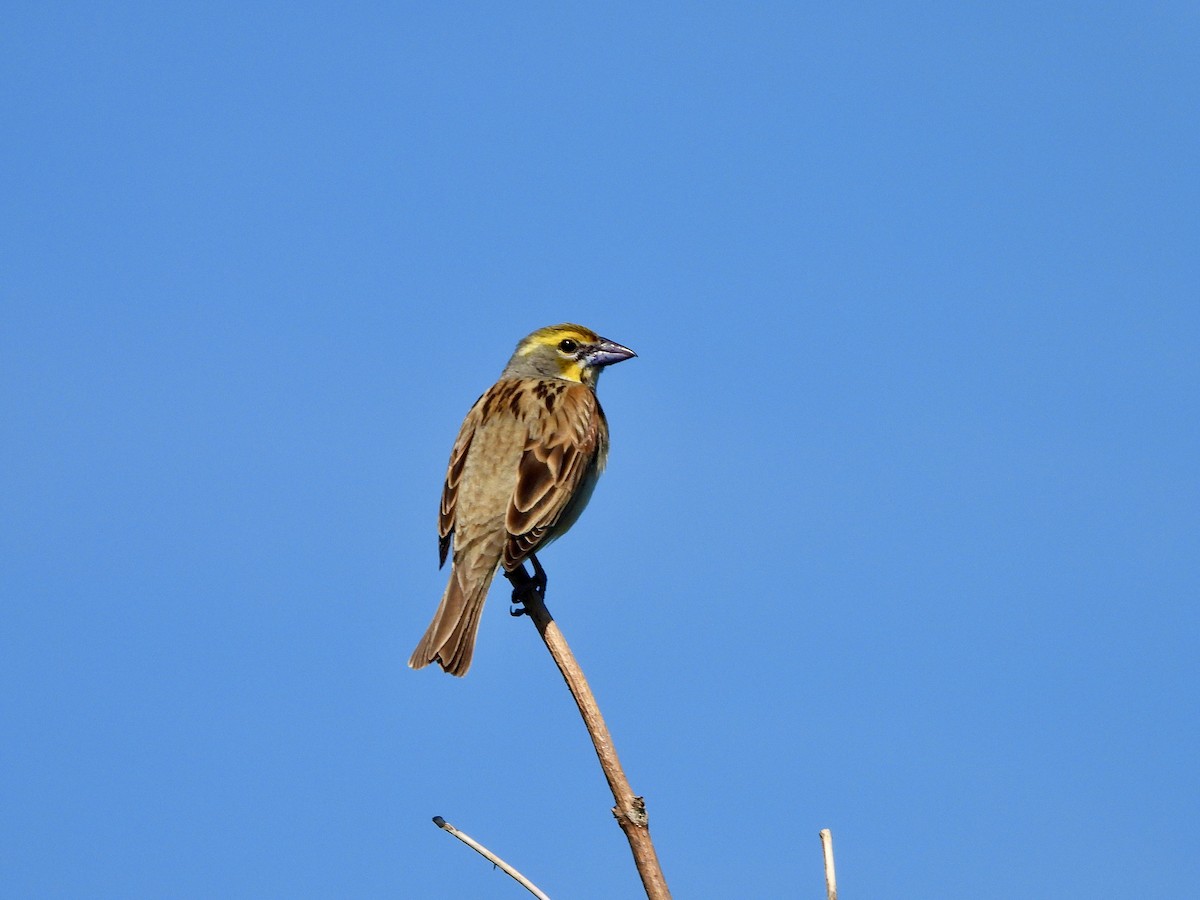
pixel 570 352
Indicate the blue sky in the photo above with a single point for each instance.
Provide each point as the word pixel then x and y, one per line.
pixel 899 531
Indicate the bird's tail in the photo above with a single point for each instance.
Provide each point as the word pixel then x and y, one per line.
pixel 450 639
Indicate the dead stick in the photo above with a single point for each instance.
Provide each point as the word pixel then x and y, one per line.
pixel 630 811
pixel 827 852
pixel 489 855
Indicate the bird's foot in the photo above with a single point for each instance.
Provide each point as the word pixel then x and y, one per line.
pixel 526 587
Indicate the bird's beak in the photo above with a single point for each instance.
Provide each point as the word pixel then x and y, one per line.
pixel 605 352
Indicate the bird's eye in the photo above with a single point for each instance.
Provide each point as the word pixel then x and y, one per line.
pixel 568 346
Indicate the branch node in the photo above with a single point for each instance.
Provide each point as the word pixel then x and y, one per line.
pixel 635 816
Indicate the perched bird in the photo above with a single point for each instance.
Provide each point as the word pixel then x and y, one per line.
pixel 523 468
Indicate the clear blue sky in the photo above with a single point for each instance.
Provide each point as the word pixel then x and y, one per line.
pixel 900 530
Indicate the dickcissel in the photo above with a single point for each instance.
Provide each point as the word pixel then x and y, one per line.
pixel 523 468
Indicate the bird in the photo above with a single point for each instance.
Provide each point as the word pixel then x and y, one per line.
pixel 524 466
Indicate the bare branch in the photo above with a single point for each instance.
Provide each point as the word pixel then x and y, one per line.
pixel 630 810
pixel 485 852
pixel 827 852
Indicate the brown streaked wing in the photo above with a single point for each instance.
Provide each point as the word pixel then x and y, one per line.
pixel 458 460
pixel 555 460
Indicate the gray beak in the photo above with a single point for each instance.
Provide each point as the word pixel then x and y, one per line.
pixel 605 352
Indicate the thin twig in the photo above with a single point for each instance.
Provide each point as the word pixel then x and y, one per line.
pixel 827 852
pixel 485 852
pixel 630 810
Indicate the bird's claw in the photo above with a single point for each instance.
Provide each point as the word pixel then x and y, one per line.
pixel 526 586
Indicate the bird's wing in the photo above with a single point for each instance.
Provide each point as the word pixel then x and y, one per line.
pixel 454 473
pixel 565 447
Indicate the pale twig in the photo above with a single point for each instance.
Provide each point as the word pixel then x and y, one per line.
pixel 827 852
pixel 630 810
pixel 488 854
